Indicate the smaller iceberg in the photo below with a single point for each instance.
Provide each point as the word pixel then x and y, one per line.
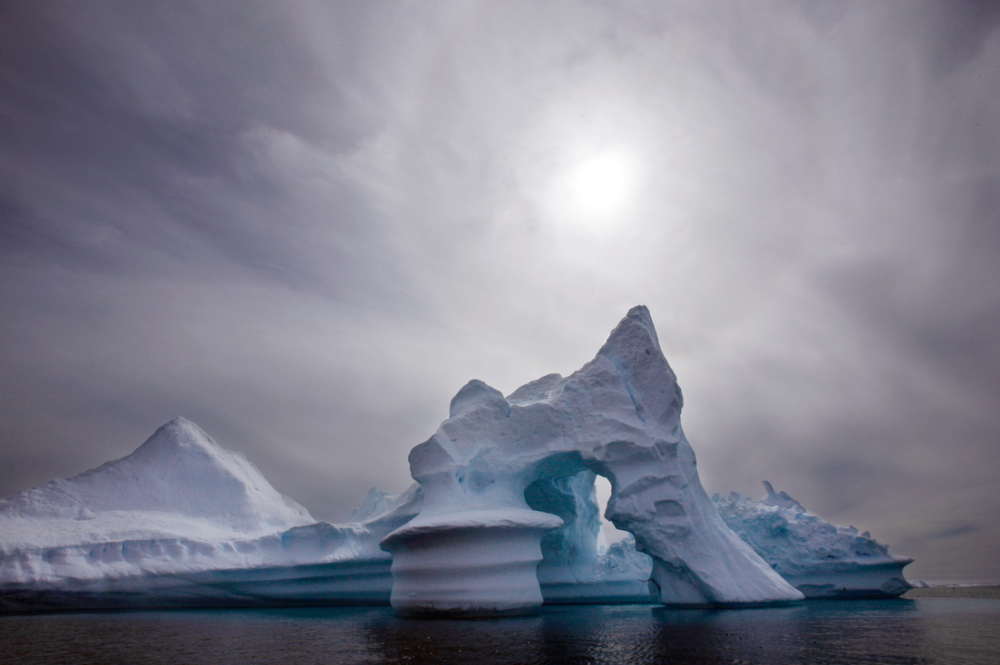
pixel 819 559
pixel 182 522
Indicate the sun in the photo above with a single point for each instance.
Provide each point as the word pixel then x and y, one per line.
pixel 599 186
pixel 588 190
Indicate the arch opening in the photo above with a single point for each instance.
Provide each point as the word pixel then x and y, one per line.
pixel 609 534
pixel 578 564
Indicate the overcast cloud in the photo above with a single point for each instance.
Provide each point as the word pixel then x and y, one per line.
pixel 305 226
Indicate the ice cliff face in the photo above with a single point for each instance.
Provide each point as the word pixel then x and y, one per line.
pixel 819 559
pixel 618 416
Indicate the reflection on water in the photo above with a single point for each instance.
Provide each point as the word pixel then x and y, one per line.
pixel 923 631
pixel 809 633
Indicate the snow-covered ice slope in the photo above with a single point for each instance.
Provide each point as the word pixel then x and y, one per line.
pixel 818 558
pixel 618 416
pixel 182 522
pixel 179 483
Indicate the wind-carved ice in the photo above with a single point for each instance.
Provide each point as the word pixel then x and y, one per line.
pixel 819 559
pixel 475 545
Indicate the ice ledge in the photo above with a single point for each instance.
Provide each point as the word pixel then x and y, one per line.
pixel 473 519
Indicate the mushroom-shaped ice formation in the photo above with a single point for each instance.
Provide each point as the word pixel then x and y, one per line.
pixel 474 546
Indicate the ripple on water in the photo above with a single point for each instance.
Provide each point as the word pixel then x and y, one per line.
pixel 925 631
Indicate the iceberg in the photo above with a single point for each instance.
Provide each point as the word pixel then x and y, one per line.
pixel 474 547
pixel 502 517
pixel 182 522
pixel 819 559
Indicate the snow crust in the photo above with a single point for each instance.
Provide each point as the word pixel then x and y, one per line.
pixel 819 559
pixel 618 416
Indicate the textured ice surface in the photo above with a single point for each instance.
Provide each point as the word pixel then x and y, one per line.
pixel 183 522
pixel 618 416
pixel 818 558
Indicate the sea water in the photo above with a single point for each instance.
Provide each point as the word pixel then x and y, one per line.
pixel 932 630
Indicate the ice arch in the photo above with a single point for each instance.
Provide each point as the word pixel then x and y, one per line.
pixel 475 546
pixel 573 569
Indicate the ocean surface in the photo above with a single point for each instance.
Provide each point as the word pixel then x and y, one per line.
pixel 927 629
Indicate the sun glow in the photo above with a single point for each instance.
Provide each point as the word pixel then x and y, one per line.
pixel 593 193
pixel 600 185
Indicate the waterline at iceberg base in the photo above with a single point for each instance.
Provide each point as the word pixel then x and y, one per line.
pixel 502 517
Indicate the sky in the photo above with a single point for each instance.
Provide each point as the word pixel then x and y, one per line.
pixel 305 225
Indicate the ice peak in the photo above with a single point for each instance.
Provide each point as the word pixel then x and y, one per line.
pixel 182 439
pixel 179 433
pixel 640 313
pixel 635 330
pixel 179 470
pixel 476 393
pixel 634 350
pixel 781 499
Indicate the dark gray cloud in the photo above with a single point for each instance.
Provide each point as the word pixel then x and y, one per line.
pixel 305 226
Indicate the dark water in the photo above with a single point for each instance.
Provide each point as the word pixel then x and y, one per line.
pixel 923 630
